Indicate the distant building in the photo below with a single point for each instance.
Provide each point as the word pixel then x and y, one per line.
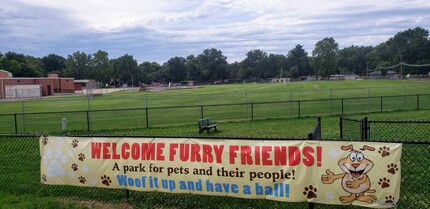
pixel 22 87
pixel 378 75
pixel 347 75
pixel 281 80
pixel 5 74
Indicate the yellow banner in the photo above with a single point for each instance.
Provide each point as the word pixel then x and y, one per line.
pixel 357 173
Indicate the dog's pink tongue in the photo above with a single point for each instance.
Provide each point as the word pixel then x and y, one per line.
pixel 356 175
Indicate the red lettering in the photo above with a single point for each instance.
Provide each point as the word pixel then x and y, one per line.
pixel 135 151
pixel 233 155
pixel 293 155
pixel 184 152
pixel 172 152
pixel 245 155
pixel 106 154
pixel 95 150
pixel 125 151
pixel 148 151
pixel 280 154
pixel 160 147
pixel 114 154
pixel 195 149
pixel 257 155
pixel 207 153
pixel 266 155
pixel 218 153
pixel 308 159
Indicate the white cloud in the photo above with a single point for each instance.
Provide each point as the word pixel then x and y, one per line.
pixel 155 30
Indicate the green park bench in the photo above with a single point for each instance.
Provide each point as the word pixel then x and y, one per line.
pixel 206 124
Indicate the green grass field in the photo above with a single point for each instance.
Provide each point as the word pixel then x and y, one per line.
pixel 23 190
pixel 239 102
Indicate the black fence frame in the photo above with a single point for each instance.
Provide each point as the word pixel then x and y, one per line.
pixel 201 108
pixel 365 126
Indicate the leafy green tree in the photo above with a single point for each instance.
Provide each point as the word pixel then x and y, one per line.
pixel 353 59
pixel 22 66
pixel 274 64
pixel 78 66
pixel 234 70
pixel 53 63
pixel 212 65
pixel 177 69
pixel 102 67
pixel 298 61
pixel 193 71
pixel 324 54
pixel 148 72
pixel 254 64
pixel 125 69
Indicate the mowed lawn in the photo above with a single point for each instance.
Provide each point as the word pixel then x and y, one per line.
pixel 234 102
pixel 23 190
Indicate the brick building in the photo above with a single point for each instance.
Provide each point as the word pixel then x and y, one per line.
pixel 11 87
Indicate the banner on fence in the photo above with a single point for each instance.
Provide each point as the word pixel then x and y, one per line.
pixel 357 173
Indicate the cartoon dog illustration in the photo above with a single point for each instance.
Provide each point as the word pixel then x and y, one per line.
pixel 354 178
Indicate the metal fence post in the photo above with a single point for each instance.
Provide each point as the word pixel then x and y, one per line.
pixel 368 100
pixel 88 120
pixel 291 103
pixel 418 101
pixel 342 106
pixel 298 106
pixel 381 104
pixel 201 112
pixel 252 111
pixel 341 126
pixel 331 101
pixel 246 105
pixel 365 130
pixel 16 124
pixel 23 115
pixel 147 117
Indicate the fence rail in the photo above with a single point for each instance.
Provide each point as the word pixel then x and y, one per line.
pixel 51 122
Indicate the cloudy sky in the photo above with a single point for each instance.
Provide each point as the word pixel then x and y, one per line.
pixel 156 30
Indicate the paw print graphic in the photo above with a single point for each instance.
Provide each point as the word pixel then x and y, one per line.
pixel 384 151
pixel 74 167
pixel 75 143
pixel 389 199
pixel 106 180
pixel 82 179
pixel 43 177
pixel 384 182
pixel 45 141
pixel 310 192
pixel 81 157
pixel 392 168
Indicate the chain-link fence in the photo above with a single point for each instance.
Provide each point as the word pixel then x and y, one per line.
pixel 21 163
pixel 102 119
pixel 365 129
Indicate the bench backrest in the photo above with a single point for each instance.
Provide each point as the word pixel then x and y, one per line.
pixel 204 122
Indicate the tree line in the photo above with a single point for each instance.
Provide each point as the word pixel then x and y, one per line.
pixel 411 46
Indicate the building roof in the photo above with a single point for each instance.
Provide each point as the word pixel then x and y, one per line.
pixel 5 71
